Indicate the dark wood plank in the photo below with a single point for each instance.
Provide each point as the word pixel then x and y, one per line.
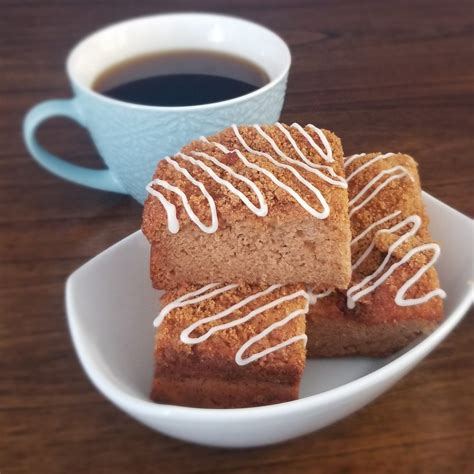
pixel 384 75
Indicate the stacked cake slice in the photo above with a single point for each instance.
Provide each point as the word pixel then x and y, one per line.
pixel 259 205
pixel 231 346
pixel 250 234
pixel 394 293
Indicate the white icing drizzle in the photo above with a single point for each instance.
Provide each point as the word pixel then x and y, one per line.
pixel 399 298
pixel 349 159
pixel 416 223
pixel 307 165
pixel 202 294
pixel 301 337
pixel 318 214
pixel 369 163
pixel 328 155
pixel 262 209
pixel 173 223
pixel 375 224
pixel 186 334
pixel 187 299
pixel 357 291
pixel 402 172
pixel 314 297
pixel 293 143
pixel 381 274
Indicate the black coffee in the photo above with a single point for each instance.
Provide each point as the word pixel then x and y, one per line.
pixel 180 78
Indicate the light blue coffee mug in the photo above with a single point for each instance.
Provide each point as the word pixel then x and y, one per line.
pixel 132 138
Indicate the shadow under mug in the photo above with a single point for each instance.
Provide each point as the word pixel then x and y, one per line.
pixel 132 138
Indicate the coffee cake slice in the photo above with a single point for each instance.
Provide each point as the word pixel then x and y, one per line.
pixel 394 295
pixel 230 346
pixel 255 204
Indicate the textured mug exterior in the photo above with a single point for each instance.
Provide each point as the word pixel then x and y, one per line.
pixel 132 140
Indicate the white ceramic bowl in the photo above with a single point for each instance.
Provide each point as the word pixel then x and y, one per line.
pixel 111 306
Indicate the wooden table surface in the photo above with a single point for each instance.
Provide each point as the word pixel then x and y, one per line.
pixel 384 75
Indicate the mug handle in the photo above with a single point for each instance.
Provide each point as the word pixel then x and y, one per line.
pixel 98 179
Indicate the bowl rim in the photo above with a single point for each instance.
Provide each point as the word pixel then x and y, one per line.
pixel 147 408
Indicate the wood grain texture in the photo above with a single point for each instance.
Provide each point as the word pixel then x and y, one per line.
pixel 395 75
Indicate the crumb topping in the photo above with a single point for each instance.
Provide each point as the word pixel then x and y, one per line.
pixel 303 170
pixel 398 208
pixel 227 342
